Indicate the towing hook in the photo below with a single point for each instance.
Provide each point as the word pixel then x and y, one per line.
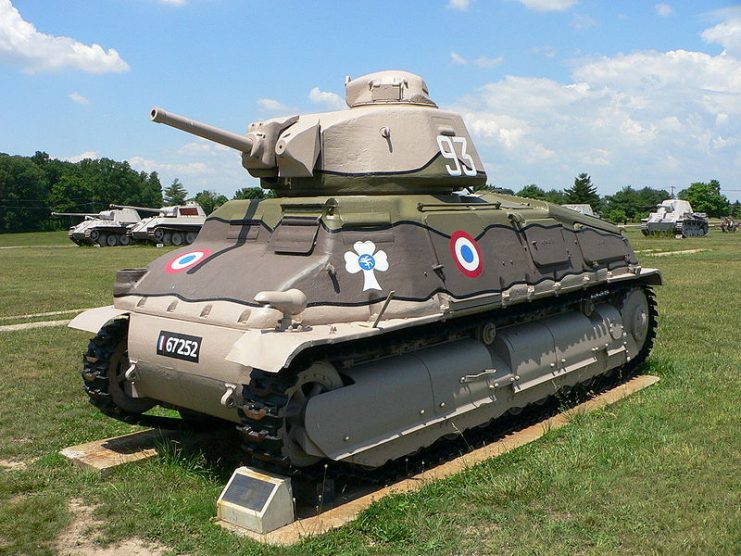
pixel 227 400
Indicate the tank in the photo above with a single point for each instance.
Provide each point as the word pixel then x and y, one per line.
pixel 675 217
pixel 106 228
pixel 584 209
pixel 377 304
pixel 176 225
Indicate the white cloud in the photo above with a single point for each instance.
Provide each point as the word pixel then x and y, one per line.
pixel 581 21
pixel 645 118
pixel 727 33
pixel 179 168
pixel 664 10
pixel 272 105
pixel 78 98
pixel 199 164
pixel 547 51
pixel 481 61
pixel 332 101
pixel 83 156
pixel 548 5
pixel 461 5
pixel 457 58
pixel 21 44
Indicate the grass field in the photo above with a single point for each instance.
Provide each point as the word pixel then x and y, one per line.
pixel 659 473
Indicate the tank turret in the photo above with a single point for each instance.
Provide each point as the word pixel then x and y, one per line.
pixel 392 139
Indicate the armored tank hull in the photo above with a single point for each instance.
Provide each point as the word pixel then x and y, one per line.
pixel 358 327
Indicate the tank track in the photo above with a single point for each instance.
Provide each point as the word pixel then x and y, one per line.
pixel 95 365
pixel 265 398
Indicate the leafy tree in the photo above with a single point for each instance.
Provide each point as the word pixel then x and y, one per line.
pixel 249 193
pixel 531 191
pixel 616 216
pixel 209 200
pixel 555 196
pixel 175 193
pixel 634 204
pixel 706 197
pixel 23 194
pixel 583 192
pixel 736 209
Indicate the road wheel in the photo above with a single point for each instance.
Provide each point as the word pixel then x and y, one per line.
pixel 190 237
pixel 112 240
pixel 124 240
pixel 176 238
pixel 159 234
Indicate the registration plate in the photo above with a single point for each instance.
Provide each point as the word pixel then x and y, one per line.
pixel 179 346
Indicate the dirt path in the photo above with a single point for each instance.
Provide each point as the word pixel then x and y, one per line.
pixel 78 538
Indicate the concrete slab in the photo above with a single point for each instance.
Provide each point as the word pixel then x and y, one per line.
pixel 102 456
pixel 340 515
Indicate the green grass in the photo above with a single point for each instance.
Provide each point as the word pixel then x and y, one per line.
pixel 35 239
pixel 657 473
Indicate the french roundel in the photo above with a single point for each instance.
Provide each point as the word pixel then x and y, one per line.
pixel 466 254
pixel 186 260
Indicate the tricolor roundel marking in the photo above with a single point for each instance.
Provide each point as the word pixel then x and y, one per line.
pixel 466 254
pixel 186 260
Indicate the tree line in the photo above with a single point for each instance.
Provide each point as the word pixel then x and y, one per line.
pixel 631 204
pixel 32 187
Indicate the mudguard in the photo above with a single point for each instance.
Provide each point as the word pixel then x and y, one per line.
pixel 93 320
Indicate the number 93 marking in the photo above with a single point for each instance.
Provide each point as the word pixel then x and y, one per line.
pixel 447 149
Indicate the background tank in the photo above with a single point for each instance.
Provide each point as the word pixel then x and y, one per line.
pixel 583 208
pixel 676 217
pixel 374 306
pixel 176 225
pixel 105 228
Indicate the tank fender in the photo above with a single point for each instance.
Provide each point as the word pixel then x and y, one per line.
pixel 93 320
pixel 272 350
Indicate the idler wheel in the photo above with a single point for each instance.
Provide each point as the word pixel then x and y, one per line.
pixel 636 315
pixel 119 388
pixel 319 378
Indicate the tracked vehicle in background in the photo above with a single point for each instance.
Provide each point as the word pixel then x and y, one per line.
pixel 675 217
pixel 375 305
pixel 176 225
pixel 106 228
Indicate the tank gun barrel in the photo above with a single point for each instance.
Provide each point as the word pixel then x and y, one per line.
pixel 75 214
pixel 142 209
pixel 227 138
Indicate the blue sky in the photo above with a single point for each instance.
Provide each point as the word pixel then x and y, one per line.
pixel 636 93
